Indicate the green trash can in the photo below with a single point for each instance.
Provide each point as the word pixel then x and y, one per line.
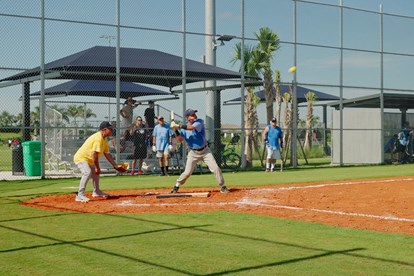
pixel 31 157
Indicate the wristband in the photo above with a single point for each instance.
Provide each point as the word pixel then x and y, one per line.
pixel 183 126
pixel 177 132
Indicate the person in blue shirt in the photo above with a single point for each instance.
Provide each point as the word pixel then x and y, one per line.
pixel 273 137
pixel 161 141
pixel 194 134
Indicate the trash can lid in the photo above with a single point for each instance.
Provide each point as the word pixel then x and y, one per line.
pixel 31 142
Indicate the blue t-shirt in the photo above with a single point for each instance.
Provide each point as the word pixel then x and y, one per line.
pixel 195 138
pixel 162 136
pixel 273 135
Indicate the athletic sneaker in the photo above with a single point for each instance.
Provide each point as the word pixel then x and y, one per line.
pixel 132 173
pixel 267 170
pixel 100 193
pixel 224 190
pixel 175 190
pixel 81 198
pixel 140 172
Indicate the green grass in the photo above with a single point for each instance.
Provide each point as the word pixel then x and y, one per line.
pixel 5 158
pixel 40 242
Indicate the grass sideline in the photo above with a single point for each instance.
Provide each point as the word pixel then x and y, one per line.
pixel 47 242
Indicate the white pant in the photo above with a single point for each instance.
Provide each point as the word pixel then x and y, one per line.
pixel 272 153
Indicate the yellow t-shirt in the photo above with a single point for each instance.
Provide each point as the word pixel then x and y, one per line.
pixel 94 143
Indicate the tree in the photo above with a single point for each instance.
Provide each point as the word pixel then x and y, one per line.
pixel 278 96
pixel 61 110
pixel 74 111
pixel 253 62
pixel 310 98
pixel 287 103
pixel 88 112
pixel 269 42
pixel 6 119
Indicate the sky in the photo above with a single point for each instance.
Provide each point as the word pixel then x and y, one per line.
pixel 316 24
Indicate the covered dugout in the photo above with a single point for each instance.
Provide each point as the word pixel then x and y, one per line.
pixel 363 136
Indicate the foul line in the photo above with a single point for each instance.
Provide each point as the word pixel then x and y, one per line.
pixel 331 184
pixel 252 203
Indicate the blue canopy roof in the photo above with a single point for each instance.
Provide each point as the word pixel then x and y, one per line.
pixel 300 92
pixel 100 89
pixel 137 65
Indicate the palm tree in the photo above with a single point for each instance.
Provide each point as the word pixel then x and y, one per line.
pixel 61 110
pixel 253 62
pixel 18 119
pixel 278 96
pixel 6 119
pixel 269 42
pixel 88 112
pixel 35 119
pixel 310 98
pixel 74 111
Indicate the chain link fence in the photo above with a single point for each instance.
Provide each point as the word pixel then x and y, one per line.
pixel 346 52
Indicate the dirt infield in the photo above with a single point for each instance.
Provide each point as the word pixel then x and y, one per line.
pixel 385 205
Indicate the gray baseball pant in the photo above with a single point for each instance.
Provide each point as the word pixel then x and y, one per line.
pixel 88 171
pixel 205 155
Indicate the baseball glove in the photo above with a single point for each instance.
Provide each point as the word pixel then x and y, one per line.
pixel 123 167
pixel 174 125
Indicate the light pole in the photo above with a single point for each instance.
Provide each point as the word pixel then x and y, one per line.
pixel 109 38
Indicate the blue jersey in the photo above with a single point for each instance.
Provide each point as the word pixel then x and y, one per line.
pixel 195 138
pixel 162 136
pixel 273 136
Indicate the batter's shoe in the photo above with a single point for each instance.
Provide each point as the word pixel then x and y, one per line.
pixel 224 190
pixel 140 172
pixel 99 194
pixel 175 190
pixel 81 198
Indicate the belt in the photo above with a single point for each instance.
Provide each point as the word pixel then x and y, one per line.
pixel 200 149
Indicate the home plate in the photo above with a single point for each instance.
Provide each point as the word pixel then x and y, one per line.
pixel 201 194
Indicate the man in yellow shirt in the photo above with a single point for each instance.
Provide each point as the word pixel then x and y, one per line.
pixel 87 160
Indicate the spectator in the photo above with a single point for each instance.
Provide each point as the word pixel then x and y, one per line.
pixel 161 140
pixel 149 115
pixel 112 138
pixel 127 112
pixel 273 137
pixel 139 135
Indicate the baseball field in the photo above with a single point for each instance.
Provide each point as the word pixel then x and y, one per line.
pixel 316 221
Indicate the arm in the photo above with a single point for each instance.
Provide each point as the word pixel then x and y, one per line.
pixel 122 113
pixel 108 157
pixel 132 130
pixel 187 127
pixel 264 134
pixel 95 160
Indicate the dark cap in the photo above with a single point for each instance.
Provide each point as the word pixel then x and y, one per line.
pixel 150 102
pixel 105 124
pixel 189 112
pixel 273 120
